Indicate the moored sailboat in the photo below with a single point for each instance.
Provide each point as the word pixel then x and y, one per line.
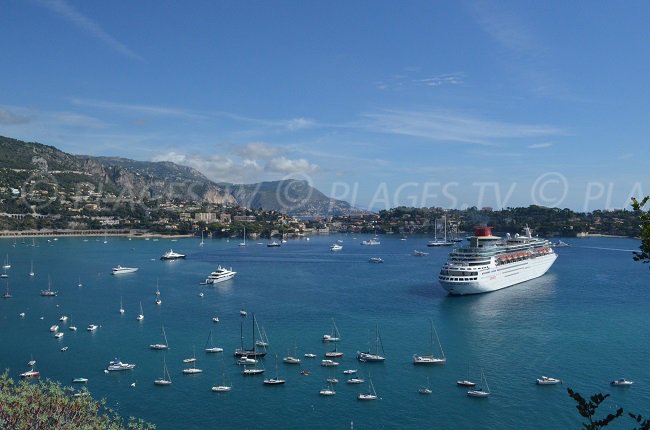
pixel 431 358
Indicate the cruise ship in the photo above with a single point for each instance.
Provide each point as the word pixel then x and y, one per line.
pixel 220 275
pixel 489 263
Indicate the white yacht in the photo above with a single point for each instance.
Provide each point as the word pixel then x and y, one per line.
pixel 116 365
pixel 622 382
pixel 490 263
pixel 336 247
pixel 119 270
pixel 220 275
pixel 373 241
pixel 171 255
pixel 547 380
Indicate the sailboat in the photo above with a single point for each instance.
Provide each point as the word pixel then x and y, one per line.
pixel 201 244
pixel 426 389
pixel 371 394
pixel 80 284
pixel 373 357
pixel 31 270
pixel 466 382
pixel 158 300
pixel 140 316
pixel 193 369
pixel 6 265
pixel 224 387
pixel 166 379
pixel 276 380
pixel 335 353
pixel 263 341
pixel 253 352
pixel 334 335
pixel 244 242
pixel 479 391
pixel 163 345
pixel 439 242
pixel 7 295
pixel 431 359
pixel 121 307
pixel 327 391
pixel 209 345
pixel 292 359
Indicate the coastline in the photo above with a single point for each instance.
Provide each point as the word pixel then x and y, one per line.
pixel 89 233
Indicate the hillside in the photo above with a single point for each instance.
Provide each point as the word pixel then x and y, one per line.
pixel 28 162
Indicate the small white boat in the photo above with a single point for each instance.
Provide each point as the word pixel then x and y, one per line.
pixel 140 316
pixel 355 381
pixel 373 241
pixel 215 319
pixel 622 382
pixel 119 270
pixel 243 313
pixel 370 395
pixel 92 327
pixel 291 360
pixel 329 363
pixel 192 370
pixel 54 328
pixel 546 380
pixel 420 253
pixel 336 247
pixel 166 378
pixel 310 355
pixel 58 335
pixel 64 349
pixel 376 260
pixel 350 371
pixel 117 365
pixel 63 318
pixel 480 392
pixel 80 380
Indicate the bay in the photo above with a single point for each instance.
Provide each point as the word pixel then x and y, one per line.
pixel 584 322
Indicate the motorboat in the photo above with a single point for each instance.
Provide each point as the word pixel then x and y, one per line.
pixel 171 255
pixel 119 270
pixel 117 365
pixel 220 275
pixel 376 260
pixel 336 247
pixel 30 374
pixel 546 380
pixel 329 363
pixel 420 253
pixel 58 335
pixel 291 360
pixel 54 328
pixel 273 244
pixel 92 327
pixel 370 242
pixel 80 380
pixel 622 382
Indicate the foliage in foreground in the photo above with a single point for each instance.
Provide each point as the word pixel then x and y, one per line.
pixel 589 408
pixel 644 217
pixel 46 405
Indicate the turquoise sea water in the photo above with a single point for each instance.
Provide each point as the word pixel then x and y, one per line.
pixel 585 322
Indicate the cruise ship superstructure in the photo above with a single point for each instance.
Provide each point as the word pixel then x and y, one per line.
pixel 489 263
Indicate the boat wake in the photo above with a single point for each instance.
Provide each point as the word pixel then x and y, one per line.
pixel 601 248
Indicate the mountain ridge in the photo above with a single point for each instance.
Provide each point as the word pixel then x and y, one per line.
pixel 141 180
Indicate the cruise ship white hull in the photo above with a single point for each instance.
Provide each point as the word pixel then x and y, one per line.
pixel 498 277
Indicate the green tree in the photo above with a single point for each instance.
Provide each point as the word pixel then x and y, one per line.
pixel 47 405
pixel 644 217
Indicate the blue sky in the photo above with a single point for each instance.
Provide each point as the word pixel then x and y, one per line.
pixel 380 103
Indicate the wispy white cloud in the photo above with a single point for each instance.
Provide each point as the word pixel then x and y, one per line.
pixel 450 127
pixel 10 116
pixel 540 145
pixel 503 25
pixel 140 109
pixel 414 78
pixel 65 10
